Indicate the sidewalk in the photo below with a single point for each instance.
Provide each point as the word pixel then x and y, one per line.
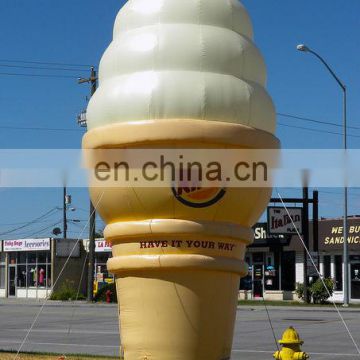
pixel 247 307
pixel 53 303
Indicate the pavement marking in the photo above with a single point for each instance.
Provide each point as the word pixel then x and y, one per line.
pixel 58 344
pixel 310 353
pixel 117 347
pixel 62 331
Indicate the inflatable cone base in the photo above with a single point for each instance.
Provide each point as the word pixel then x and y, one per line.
pixel 177 315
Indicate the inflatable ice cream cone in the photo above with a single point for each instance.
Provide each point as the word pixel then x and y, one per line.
pixel 180 75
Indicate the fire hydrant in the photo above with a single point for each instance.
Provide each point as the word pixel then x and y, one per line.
pixel 290 346
pixel 108 296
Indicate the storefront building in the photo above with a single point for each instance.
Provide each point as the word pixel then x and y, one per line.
pixel 271 267
pixel 102 254
pixel 331 240
pixel 28 267
pixel 276 264
pixel 25 268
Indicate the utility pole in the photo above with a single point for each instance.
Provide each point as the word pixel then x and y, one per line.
pixel 316 226
pixel 64 213
pixel 92 80
pixel 342 85
pixel 306 240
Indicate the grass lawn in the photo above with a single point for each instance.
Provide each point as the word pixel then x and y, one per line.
pixel 28 356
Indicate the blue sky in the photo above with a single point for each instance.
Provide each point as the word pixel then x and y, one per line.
pixel 77 32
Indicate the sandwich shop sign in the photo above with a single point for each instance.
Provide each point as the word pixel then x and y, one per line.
pixel 279 221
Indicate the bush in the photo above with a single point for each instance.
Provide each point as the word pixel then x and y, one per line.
pixel 66 292
pixel 318 291
pixel 101 294
pixel 299 291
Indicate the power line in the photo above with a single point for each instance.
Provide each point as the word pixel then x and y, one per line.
pixel 38 222
pixel 46 228
pixel 316 130
pixel 40 68
pixel 316 121
pixel 40 75
pixel 28 235
pixel 37 128
pixel 44 63
pixel 48 213
pixel 337 193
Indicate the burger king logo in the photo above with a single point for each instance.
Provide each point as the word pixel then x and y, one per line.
pixel 198 197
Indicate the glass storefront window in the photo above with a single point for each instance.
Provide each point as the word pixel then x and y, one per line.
pixel 12 258
pixel 327 266
pixel 41 275
pixel 42 258
pixel 338 273
pixel 21 276
pixel 32 275
pixel 2 276
pixel 288 270
pixel 32 269
pixel 48 276
pixel 21 258
pixel 31 258
pixel 101 273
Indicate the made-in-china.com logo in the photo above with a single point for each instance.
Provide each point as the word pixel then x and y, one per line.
pixel 198 197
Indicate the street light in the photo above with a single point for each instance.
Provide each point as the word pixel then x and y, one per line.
pixel 81 119
pixel 305 48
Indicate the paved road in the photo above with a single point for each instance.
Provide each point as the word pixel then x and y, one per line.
pixel 94 329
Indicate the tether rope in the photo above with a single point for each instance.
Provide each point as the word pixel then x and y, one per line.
pixel 56 281
pixel 320 276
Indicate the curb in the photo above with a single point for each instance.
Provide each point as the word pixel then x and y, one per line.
pixel 297 308
pixel 53 303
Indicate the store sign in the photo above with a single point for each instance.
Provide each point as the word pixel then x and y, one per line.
pixel 26 245
pixel 102 246
pixel 260 233
pixel 282 221
pixel 331 234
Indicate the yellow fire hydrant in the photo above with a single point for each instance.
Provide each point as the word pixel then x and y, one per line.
pixel 290 346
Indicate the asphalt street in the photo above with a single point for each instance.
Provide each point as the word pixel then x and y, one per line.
pixel 94 329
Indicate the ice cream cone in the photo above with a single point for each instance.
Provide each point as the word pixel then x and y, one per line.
pixel 178 257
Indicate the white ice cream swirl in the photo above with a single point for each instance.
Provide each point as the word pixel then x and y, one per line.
pixel 182 59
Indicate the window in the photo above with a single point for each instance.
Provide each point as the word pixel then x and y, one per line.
pixel 288 260
pixel 32 270
pixel 12 258
pixel 21 259
pixel 258 258
pixel 338 273
pixel 31 258
pixel 42 258
pixel 2 276
pixel 32 275
pixel 2 271
pixel 327 266
pixel 41 276
pixel 21 276
pixel 100 265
